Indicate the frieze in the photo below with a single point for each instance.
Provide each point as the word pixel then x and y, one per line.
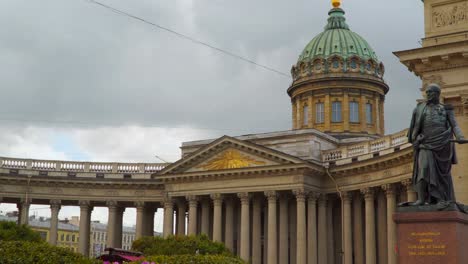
pixel 56 190
pixel 114 193
pixel 450 15
pixel 85 191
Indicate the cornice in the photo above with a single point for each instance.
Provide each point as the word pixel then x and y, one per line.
pixel 331 81
pixel 443 47
pixel 243 172
pixel 79 183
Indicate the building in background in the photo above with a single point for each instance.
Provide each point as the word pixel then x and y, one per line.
pixel 68 233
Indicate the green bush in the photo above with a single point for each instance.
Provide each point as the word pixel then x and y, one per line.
pixel 191 259
pixel 10 231
pixel 179 245
pixel 25 252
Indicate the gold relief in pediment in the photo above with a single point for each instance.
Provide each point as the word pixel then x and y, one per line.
pixel 230 159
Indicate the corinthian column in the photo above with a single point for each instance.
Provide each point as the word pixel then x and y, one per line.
pixel 217 217
pixel 283 228
pixel 410 193
pixel 112 222
pixel 347 227
pixel 119 227
pixel 322 230
pixel 140 219
pixel 301 245
pixel 23 208
pixel 370 226
pixel 85 226
pixel 54 211
pixel 229 229
pixel 168 224
pixel 272 257
pixel 312 228
pixel 181 209
pixel 257 230
pixel 391 226
pixel 205 217
pixel 358 235
pixel 245 227
pixel 192 221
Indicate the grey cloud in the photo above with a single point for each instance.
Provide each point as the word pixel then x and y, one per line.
pixel 72 60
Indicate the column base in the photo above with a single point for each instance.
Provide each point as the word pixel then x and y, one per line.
pixel 431 236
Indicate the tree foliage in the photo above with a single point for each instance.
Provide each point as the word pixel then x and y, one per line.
pixel 191 259
pixel 10 231
pixel 26 252
pixel 179 245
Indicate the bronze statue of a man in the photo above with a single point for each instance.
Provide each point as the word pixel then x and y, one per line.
pixel 431 132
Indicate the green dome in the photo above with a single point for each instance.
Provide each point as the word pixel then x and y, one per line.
pixel 338 40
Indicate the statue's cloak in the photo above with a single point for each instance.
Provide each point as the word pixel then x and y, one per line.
pixel 433 154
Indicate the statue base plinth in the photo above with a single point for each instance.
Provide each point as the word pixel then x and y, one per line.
pixel 432 237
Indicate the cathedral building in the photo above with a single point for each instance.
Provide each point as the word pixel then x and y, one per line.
pixel 323 192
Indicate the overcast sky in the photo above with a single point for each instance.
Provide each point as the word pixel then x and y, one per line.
pixel 79 82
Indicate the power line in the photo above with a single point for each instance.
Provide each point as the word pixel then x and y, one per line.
pixel 197 41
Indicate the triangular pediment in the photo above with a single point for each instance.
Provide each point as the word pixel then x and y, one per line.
pixel 227 153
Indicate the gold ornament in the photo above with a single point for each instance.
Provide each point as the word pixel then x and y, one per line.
pixel 336 3
pixel 231 159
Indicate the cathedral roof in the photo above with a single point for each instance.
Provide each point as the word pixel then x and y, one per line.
pixel 337 39
pixel 337 50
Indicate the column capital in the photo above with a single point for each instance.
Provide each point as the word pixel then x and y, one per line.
pixel 313 196
pixel 347 197
pixel 192 199
pixel 368 193
pixel 271 195
pixel 407 183
pixel 112 204
pixel 84 203
pixel 139 204
pixel 217 198
pixel 55 204
pixel 168 204
pixel 244 197
pixel 167 200
pixel 389 189
pixel 300 194
pixel 25 201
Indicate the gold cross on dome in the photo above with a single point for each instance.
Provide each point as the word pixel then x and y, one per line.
pixel 336 3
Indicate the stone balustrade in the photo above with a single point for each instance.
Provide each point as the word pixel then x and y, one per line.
pixel 80 167
pixel 382 145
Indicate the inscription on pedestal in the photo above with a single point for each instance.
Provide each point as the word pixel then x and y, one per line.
pixel 426 244
pixel 432 237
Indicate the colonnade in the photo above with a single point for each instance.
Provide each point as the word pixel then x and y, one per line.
pixel 296 226
pixel 288 226
pixel 144 221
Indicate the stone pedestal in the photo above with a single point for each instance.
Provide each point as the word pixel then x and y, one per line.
pixel 432 237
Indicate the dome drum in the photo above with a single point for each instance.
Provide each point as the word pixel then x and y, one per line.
pixel 319 67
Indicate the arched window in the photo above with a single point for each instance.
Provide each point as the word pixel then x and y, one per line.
pixel 305 115
pixel 336 112
pixel 319 113
pixel 369 113
pixel 354 112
